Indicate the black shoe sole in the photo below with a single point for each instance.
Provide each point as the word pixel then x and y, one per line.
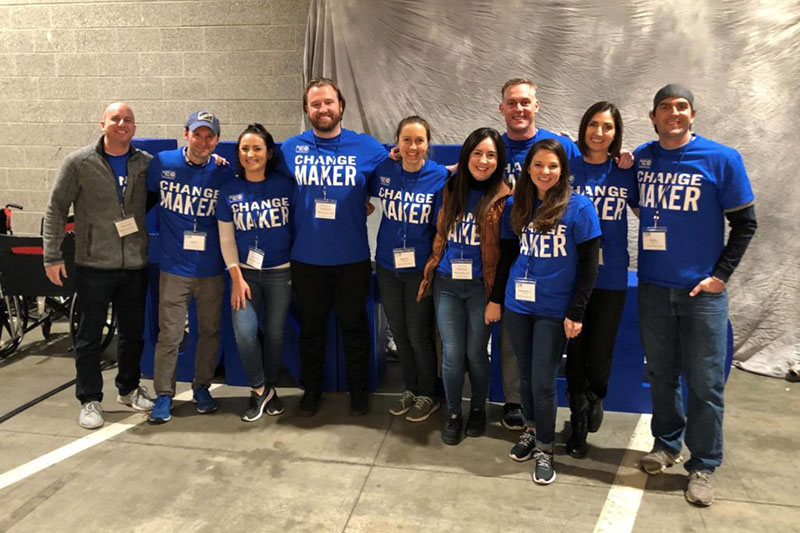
pixel 451 442
pixel 512 428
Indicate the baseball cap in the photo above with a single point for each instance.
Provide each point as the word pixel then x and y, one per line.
pixel 203 118
pixel 673 90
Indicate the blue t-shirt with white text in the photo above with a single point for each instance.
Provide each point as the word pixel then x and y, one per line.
pixel 464 242
pixel 516 151
pixel 260 213
pixel 333 169
pixel 187 202
pixel 690 188
pixel 119 166
pixel 611 190
pixel 407 201
pixel 550 259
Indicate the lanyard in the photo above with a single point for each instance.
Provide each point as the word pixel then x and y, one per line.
pixel 335 153
pixel 657 150
pixel 403 196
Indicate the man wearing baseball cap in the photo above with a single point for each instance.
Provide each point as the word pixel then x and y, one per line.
pixel 688 187
pixel 187 181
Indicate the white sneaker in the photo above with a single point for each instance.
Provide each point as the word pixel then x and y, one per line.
pixel 138 399
pixel 91 416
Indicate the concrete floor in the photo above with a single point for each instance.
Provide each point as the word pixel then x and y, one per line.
pixel 373 474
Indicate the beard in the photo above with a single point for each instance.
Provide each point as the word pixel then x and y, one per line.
pixel 335 119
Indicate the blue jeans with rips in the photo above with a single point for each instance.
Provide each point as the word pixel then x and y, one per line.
pixel 686 335
pixel 270 293
pixel 460 306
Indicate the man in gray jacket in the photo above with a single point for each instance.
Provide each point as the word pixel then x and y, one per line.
pixel 106 185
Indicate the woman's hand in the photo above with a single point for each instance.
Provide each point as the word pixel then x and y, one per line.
pixel 240 293
pixel 492 313
pixel 571 328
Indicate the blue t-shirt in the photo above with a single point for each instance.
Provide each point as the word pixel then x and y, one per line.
pixel 691 187
pixel 407 202
pixel 464 242
pixel 551 259
pixel 119 166
pixel 187 201
pixel 334 169
pixel 517 150
pixel 611 190
pixel 260 212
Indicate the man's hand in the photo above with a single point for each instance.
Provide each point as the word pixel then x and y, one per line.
pixel 394 153
pixel 571 328
pixel 219 160
pixel 710 284
pixel 55 273
pixel 625 159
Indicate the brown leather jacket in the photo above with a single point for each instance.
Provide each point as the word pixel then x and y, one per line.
pixel 490 242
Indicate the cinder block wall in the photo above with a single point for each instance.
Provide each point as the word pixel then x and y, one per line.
pixel 62 62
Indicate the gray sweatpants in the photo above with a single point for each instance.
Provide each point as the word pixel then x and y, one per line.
pixel 174 294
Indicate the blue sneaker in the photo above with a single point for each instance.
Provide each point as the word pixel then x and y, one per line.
pixel 205 403
pixel 160 413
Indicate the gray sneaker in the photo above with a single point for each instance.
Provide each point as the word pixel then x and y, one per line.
pixel 658 460
pixel 423 408
pixel 544 472
pixel 404 404
pixel 138 399
pixel 91 416
pixel 699 490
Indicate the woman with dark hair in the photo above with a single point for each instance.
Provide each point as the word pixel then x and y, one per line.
pixel 467 293
pixel 253 213
pixel 596 175
pixel 406 190
pixel 549 284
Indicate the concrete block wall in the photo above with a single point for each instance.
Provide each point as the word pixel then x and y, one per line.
pixel 62 62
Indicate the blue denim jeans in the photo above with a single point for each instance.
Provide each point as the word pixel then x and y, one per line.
pixel 270 293
pixel 538 343
pixel 460 306
pixel 685 335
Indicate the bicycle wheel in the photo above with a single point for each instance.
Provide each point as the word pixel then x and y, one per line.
pixel 109 327
pixel 12 324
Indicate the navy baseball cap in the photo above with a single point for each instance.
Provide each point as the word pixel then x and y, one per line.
pixel 203 118
pixel 673 90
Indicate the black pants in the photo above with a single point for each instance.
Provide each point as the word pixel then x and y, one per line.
pixel 346 288
pixel 589 354
pixel 97 288
pixel 411 323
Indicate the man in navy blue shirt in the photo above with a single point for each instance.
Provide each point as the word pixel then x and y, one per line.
pixel 688 187
pixel 330 255
pixel 187 181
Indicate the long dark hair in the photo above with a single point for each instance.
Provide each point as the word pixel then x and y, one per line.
pixel 555 199
pixel 261 131
pixel 458 185
pixel 599 107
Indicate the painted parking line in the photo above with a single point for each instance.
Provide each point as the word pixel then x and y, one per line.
pixel 75 447
pixel 625 495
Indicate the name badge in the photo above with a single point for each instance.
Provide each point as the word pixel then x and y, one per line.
pixel 654 238
pixel 325 209
pixel 462 268
pixel 126 226
pixel 525 290
pixel 600 256
pixel 194 240
pixel 255 258
pixel 404 258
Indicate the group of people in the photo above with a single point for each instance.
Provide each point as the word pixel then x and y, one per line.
pixel 529 229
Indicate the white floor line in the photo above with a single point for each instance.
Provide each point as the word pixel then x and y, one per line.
pixel 625 495
pixel 75 447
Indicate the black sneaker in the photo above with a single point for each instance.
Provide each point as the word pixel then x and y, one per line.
pixel 523 449
pixel 256 404
pixel 512 417
pixel 476 423
pixel 310 402
pixel 274 405
pixel 595 415
pixel 544 472
pixel 451 434
pixel 359 402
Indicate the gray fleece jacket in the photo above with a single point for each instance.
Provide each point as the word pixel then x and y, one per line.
pixel 87 181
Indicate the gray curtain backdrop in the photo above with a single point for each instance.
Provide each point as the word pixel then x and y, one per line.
pixel 446 60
